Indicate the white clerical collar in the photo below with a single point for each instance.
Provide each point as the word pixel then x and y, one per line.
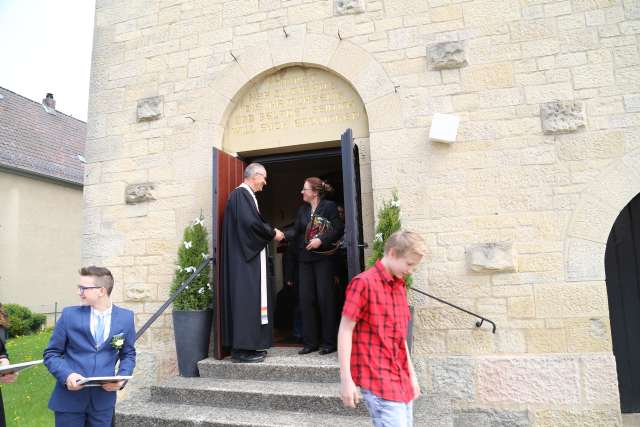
pixel 245 185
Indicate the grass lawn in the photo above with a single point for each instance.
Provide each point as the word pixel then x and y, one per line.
pixel 25 401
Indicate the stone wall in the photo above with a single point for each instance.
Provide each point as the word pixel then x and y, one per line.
pixel 546 156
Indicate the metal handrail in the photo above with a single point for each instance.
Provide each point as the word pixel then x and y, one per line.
pixel 172 298
pixel 478 323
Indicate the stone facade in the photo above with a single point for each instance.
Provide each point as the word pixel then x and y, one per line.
pixel 553 197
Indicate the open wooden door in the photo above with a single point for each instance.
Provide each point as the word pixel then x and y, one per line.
pixel 352 206
pixel 227 173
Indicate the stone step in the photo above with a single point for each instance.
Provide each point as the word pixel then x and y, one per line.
pixel 144 413
pixel 254 395
pixel 281 364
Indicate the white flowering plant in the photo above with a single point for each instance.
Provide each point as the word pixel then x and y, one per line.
pixel 193 250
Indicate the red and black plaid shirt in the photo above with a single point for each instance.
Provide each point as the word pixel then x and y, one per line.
pixel 377 302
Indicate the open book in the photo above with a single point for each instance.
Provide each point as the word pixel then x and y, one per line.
pixel 10 369
pixel 99 381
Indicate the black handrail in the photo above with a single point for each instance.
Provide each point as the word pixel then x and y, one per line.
pixel 172 298
pixel 478 323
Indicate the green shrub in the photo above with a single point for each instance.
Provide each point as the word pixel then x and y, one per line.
pixel 387 224
pixel 193 250
pixel 23 321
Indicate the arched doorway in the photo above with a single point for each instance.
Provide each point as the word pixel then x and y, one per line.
pixel 293 121
pixel 622 268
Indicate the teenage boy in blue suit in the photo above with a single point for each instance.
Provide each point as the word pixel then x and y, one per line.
pixel 88 341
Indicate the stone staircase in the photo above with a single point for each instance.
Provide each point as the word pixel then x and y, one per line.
pixel 285 390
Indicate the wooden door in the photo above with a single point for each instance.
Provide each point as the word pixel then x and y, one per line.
pixel 227 174
pixel 622 266
pixel 352 206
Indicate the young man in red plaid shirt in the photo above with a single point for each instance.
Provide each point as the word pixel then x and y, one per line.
pixel 372 340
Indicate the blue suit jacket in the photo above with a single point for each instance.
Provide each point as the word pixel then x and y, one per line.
pixel 72 349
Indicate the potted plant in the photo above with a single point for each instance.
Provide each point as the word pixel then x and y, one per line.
pixel 192 312
pixel 389 223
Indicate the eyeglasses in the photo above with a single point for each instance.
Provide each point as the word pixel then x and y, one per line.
pixel 81 288
pixel 306 189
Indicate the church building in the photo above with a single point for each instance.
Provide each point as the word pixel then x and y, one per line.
pixel 508 129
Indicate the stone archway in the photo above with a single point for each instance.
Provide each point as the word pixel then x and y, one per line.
pixel 352 63
pixel 592 220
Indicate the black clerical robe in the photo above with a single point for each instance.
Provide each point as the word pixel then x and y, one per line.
pixel 244 235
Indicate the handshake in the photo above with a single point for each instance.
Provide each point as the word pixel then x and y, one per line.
pixel 279 236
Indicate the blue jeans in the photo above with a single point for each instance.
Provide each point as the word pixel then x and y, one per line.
pixel 387 413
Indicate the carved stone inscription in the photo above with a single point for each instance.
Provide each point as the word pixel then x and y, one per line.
pixel 295 106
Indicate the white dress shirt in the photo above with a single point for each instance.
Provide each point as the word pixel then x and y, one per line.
pixel 106 316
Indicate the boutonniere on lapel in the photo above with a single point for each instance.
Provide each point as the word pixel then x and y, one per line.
pixel 117 342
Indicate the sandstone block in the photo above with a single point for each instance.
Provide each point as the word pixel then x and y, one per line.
pixel 137 292
pixel 584 260
pixel 475 417
pixel 349 7
pixel 593 75
pixel 491 257
pixel 609 417
pixel 447 55
pixel 547 340
pixel 600 379
pixel 453 377
pixel 571 300
pixel 562 117
pixel 529 380
pixel 149 108
pixel 487 76
pixel 138 193
pixel 548 92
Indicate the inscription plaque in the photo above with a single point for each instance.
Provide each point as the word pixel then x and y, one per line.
pixel 294 106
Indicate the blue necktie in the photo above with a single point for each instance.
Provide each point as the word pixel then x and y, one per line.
pixel 98 335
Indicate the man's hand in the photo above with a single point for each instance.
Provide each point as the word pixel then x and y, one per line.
pixel 349 393
pixel 315 243
pixel 72 380
pixel 279 235
pixel 416 387
pixel 290 283
pixel 113 386
pixel 7 378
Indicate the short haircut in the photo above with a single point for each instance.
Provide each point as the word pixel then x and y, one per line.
pixel 103 276
pixel 405 242
pixel 252 169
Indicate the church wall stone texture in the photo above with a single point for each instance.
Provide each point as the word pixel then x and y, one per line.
pixel 547 154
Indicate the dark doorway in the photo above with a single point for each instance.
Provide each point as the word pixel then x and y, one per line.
pixel 622 266
pixel 279 202
pixel 335 162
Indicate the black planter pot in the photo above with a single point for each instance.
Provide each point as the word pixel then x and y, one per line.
pixel 191 330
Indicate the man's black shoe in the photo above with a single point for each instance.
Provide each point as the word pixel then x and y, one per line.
pixel 307 350
pixel 242 356
pixel 262 352
pixel 327 350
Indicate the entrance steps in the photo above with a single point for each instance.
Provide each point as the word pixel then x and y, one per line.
pixel 284 390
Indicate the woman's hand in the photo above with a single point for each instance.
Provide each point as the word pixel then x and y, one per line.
pixel 315 243
pixel 8 378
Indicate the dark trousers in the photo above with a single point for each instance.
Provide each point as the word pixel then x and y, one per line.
pixel 318 303
pixel 2 422
pixel 93 418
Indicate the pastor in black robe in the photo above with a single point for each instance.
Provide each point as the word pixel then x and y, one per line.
pixel 244 235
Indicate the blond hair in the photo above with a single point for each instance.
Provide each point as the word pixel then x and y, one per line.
pixel 405 242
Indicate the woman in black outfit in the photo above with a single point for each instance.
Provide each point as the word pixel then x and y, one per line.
pixel 316 230
pixel 4 379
